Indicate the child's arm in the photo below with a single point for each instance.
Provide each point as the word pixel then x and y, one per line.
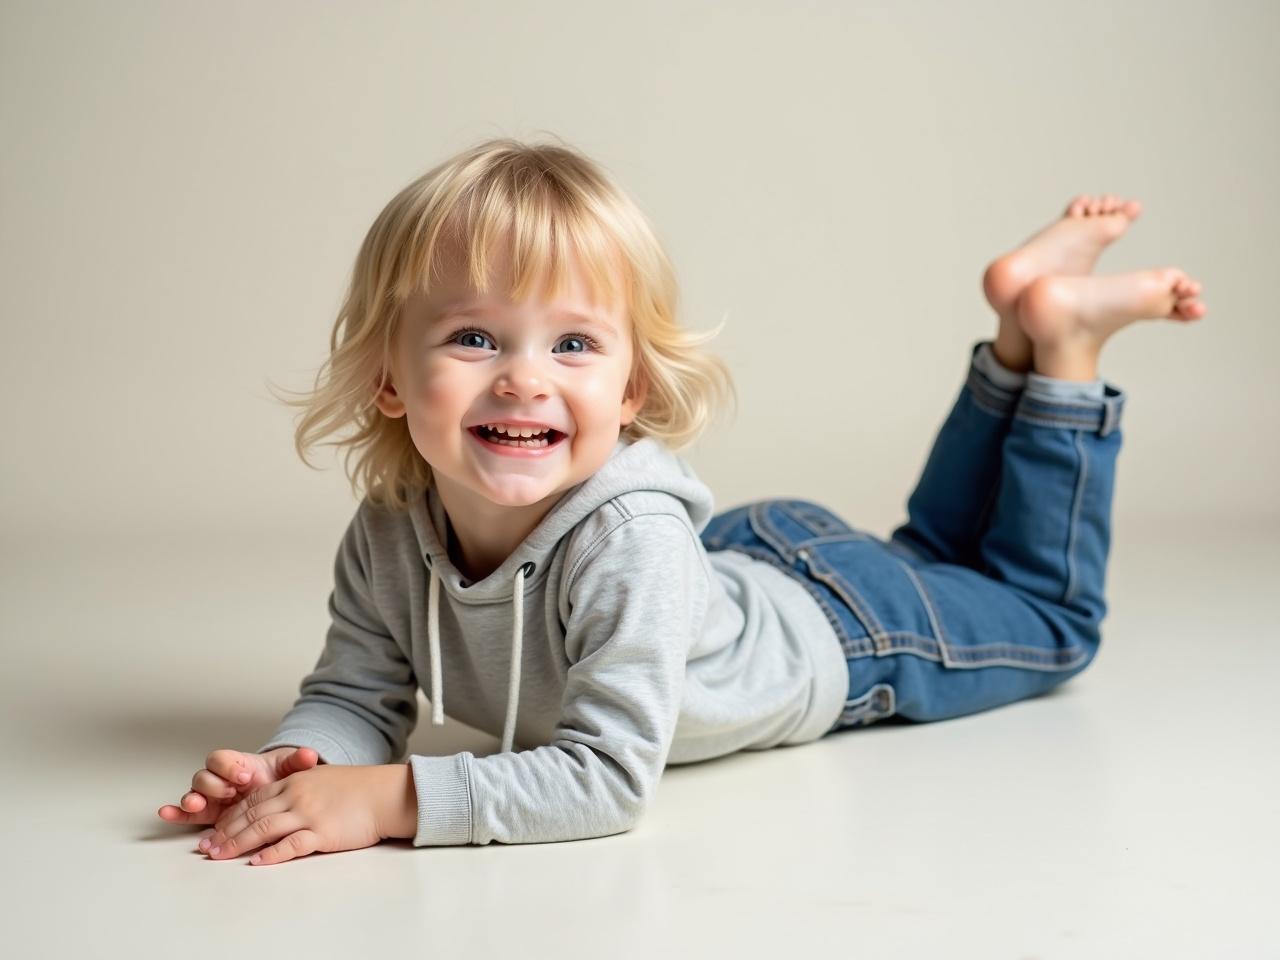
pixel 359 704
pixel 638 600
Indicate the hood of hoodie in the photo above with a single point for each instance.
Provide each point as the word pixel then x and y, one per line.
pixel 645 464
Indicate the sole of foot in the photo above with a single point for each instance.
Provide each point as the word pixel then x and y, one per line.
pixel 1069 245
pixel 1064 312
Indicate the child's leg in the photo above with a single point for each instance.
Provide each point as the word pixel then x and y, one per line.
pixel 949 640
pixel 1050 529
pixel 948 509
pixel 946 640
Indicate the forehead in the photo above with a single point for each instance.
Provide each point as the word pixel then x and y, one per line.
pixel 453 291
pixel 557 311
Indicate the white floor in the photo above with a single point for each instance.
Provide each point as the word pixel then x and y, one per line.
pixel 1131 813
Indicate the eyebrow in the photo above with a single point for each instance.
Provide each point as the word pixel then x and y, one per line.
pixel 576 316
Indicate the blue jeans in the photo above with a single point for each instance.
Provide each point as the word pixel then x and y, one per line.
pixel 992 590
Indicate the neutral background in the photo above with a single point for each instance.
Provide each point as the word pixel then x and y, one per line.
pixel 184 188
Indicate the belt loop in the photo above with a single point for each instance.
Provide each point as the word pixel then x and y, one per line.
pixel 1110 415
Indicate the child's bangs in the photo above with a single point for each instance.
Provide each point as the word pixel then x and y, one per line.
pixel 544 224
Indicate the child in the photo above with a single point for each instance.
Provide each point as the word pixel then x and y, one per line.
pixel 573 591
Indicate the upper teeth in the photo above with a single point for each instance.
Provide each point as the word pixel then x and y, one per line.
pixel 515 431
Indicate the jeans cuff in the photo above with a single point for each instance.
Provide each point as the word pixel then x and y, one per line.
pixel 984 358
pixel 1054 389
pixel 1101 414
pixel 995 388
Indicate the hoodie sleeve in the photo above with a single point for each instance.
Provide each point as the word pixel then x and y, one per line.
pixel 637 599
pixel 359 704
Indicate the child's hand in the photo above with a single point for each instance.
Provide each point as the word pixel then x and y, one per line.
pixel 223 781
pixel 337 808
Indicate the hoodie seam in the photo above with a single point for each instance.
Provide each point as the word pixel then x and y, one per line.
pixel 572 576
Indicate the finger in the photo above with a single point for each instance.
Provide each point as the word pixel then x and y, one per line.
pixel 268 826
pixel 175 814
pixel 193 802
pixel 297 844
pixel 249 808
pixel 230 765
pixel 213 786
pixel 304 758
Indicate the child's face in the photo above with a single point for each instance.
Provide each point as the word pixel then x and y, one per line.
pixel 526 361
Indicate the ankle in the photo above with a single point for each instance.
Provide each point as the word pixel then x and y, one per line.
pixel 1011 348
pixel 1066 360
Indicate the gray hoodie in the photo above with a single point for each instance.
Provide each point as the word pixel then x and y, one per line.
pixel 610 643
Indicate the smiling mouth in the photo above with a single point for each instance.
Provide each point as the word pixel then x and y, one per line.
pixel 548 439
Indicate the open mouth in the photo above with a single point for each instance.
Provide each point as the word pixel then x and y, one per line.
pixel 540 441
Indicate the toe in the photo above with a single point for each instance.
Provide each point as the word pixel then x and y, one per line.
pixel 1109 201
pixel 1188 310
pixel 1077 205
pixel 1094 205
pixel 1132 209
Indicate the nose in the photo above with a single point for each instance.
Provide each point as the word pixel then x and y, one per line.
pixel 521 377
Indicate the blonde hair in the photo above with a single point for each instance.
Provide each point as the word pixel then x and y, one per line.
pixel 552 202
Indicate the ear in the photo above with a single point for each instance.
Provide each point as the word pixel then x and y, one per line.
pixel 388 400
pixel 633 400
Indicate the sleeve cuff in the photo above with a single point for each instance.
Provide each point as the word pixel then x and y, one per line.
pixel 330 750
pixel 342 733
pixel 444 799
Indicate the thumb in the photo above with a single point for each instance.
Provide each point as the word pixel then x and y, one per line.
pixel 304 758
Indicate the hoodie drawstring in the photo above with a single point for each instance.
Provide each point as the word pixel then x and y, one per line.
pixel 517 647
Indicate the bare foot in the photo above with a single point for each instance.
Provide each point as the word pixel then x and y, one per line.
pixel 1070 245
pixel 1069 318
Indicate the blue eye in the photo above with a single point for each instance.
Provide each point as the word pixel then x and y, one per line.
pixel 584 338
pixel 475 331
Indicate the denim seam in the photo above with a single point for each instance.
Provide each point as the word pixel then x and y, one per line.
pixel 1081 478
pixel 800 519
pixel 810 524
pixel 885 642
pixel 929 609
pixel 980 402
pixel 846 592
pixel 765 531
pixel 1032 397
pixel 971 658
pixel 995 396
pixel 893 542
pixel 1046 421
pixel 898 642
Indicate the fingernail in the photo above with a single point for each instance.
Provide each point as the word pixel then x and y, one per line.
pixel 243 777
pixel 204 844
pixel 214 850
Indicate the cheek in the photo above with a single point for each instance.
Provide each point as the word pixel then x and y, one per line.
pixel 600 392
pixel 432 407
